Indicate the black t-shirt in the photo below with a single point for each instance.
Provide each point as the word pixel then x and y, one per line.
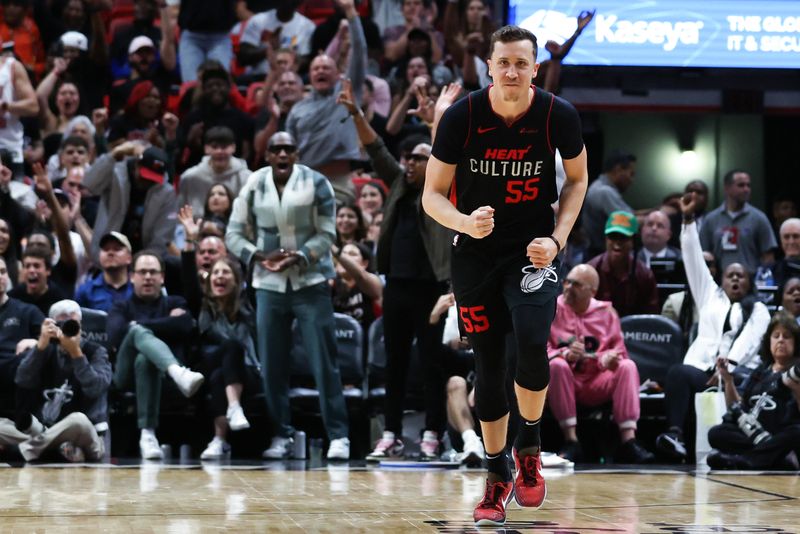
pixel 352 302
pixel 18 321
pixel 207 17
pixel 510 167
pixel 43 302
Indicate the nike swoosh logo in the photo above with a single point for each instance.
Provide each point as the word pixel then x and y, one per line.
pixel 484 130
pixel 528 130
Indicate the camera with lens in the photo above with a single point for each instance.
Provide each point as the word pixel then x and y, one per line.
pixel 69 328
pixel 792 374
pixel 748 423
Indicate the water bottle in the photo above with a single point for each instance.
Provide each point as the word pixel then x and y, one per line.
pixel 299 448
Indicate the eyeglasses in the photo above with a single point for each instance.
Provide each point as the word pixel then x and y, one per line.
pixel 417 157
pixel 147 272
pixel 574 283
pixel 276 149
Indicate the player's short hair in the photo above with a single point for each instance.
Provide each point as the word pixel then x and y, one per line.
pixel 509 34
pixel 618 157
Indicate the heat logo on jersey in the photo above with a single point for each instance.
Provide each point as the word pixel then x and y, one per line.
pixel 506 162
pixel 534 278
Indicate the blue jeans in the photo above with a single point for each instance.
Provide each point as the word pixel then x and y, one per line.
pixel 314 312
pixel 196 47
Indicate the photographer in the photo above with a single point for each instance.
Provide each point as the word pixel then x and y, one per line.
pixel 762 425
pixel 63 382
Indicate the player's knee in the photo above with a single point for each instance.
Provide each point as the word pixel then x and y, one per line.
pixel 533 369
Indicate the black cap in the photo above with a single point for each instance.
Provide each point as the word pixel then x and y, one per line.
pixel 153 165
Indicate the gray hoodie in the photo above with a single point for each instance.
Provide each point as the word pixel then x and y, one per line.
pixel 196 182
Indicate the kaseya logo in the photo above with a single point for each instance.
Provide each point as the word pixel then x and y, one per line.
pixel 549 25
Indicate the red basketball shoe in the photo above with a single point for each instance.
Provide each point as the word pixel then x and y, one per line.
pixel 491 511
pixel 529 487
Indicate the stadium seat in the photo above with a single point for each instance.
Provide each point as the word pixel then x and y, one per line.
pixel 654 343
pixel 93 327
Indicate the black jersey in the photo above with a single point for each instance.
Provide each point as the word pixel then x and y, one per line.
pixel 510 167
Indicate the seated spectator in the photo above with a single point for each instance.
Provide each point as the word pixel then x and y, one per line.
pixel 135 198
pixel 290 29
pixel 144 64
pixel 13 211
pixel 681 307
pixel 150 332
pixel 139 120
pixel 143 24
pixel 467 34
pixel 20 324
pixel 73 374
pixel 87 62
pixel 219 202
pixel 789 265
pixel 589 365
pixel 656 233
pixel 624 280
pixel 35 287
pixel 8 251
pixel 198 256
pixel 784 206
pixel 414 92
pixel 790 297
pixel 74 152
pixel 229 361
pixel 21 29
pixel 356 289
pixel 751 435
pixel 350 227
pixel 371 198
pixel 214 109
pixel 282 90
pixel 326 144
pixel 218 166
pixel 112 283
pixel 731 323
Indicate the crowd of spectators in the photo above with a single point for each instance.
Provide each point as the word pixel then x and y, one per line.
pixel 204 173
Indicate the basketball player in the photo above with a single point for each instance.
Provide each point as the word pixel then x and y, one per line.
pixel 494 154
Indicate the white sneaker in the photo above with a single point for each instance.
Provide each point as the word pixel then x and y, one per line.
pixel 218 449
pixel 339 449
pixel 473 453
pixel 150 449
pixel 429 447
pixel 279 449
pixel 188 381
pixel 236 418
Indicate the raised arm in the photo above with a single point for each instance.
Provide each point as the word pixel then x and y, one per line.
pixel 43 92
pixel 26 104
pixel 167 47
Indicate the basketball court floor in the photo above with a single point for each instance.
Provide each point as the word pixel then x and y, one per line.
pixel 314 497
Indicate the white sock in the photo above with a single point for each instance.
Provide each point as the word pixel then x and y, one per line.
pixel 148 432
pixel 234 404
pixel 174 371
pixel 218 439
pixel 468 435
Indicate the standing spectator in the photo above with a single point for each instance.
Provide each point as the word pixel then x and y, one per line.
pixel 656 233
pixel 15 214
pixel 143 24
pixel 731 325
pixel 214 109
pixel 624 280
pixel 290 209
pixel 134 198
pixel 145 64
pixel 605 195
pixel 700 190
pixel 413 254
pixel 291 31
pixel 736 231
pixel 326 145
pixel 112 283
pixel 20 29
pixel 784 207
pixel 589 365
pixel 150 332
pixel 74 365
pixel 20 324
pixel 418 15
pixel 789 265
pixel 204 34
pixel 17 99
pixel 67 102
pixel 139 120
pixel 218 166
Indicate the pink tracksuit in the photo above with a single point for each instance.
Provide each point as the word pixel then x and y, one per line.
pixel 587 382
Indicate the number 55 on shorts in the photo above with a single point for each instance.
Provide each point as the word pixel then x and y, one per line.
pixel 474 319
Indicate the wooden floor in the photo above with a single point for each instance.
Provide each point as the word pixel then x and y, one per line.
pixel 190 499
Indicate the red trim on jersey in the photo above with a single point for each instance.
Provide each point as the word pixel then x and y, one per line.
pixel 549 111
pixel 469 120
pixel 509 125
